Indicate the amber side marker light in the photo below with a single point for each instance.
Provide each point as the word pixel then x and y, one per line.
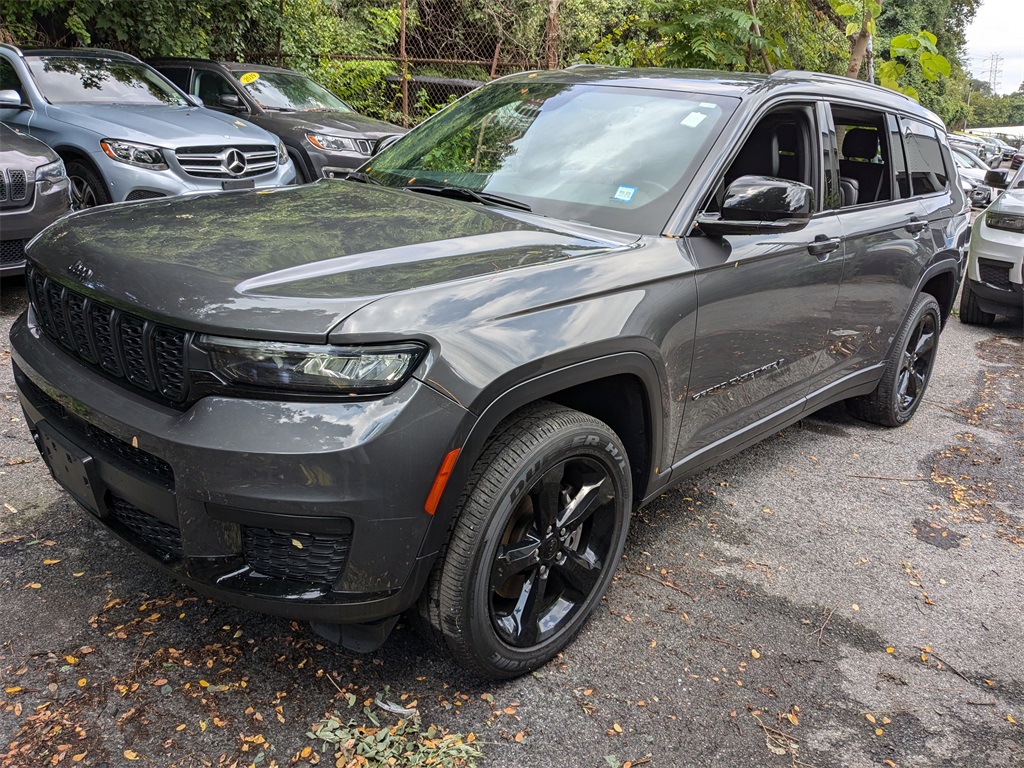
pixel 440 481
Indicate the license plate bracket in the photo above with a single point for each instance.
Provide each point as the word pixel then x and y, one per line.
pixel 72 467
pixel 238 184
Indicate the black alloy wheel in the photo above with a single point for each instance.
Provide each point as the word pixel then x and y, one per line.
pixel 916 364
pixel 540 529
pixel 901 389
pixel 552 552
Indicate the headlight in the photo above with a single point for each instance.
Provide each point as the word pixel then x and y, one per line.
pixel 331 143
pixel 324 369
pixel 140 155
pixel 51 173
pixel 282 153
pixel 1011 222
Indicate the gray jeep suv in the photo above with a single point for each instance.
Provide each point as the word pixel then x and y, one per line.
pixel 444 383
pixel 34 192
pixel 126 133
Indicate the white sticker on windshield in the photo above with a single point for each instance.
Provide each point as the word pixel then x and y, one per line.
pixel 693 119
pixel 624 194
pixel 708 105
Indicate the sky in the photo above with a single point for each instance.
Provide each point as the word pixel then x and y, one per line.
pixel 998 27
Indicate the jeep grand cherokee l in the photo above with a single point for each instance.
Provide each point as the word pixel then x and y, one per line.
pixel 444 383
pixel 126 133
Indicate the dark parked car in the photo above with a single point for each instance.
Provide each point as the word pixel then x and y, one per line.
pixel 1017 160
pixel 34 192
pixel 324 135
pixel 446 388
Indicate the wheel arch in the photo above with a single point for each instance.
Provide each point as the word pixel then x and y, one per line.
pixel 942 281
pixel 623 390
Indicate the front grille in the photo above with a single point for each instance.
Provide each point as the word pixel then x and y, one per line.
pixel 162 538
pixel 226 162
pixel 14 187
pixel 148 355
pixel 143 194
pixel 320 559
pixel 12 251
pixel 996 273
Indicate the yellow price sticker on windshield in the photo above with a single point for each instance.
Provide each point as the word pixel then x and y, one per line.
pixel 249 77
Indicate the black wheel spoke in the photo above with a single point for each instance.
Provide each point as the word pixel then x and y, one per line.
pixel 526 615
pixel 580 571
pixel 582 505
pixel 925 343
pixel 917 378
pixel 513 559
pixel 547 499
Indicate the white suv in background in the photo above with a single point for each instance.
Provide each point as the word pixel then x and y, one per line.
pixel 994 285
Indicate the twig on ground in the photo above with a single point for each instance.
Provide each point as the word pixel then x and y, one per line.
pixel 821 630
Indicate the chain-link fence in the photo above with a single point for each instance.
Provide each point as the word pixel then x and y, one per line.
pixel 430 52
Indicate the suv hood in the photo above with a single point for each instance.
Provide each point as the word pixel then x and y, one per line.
pixel 341 123
pixel 1011 201
pixel 293 262
pixel 169 127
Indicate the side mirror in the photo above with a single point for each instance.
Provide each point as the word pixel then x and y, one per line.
pixel 386 142
pixel 231 101
pixel 11 98
pixel 760 205
pixel 997 178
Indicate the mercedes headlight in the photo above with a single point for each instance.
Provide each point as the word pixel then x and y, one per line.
pixel 131 153
pixel 331 143
pixel 313 368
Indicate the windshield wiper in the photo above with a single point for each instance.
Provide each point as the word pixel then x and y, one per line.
pixel 362 178
pixel 281 109
pixel 463 193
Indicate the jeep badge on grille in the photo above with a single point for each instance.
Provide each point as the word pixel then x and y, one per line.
pixel 79 270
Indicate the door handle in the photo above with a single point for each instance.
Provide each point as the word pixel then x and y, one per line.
pixel 915 226
pixel 822 246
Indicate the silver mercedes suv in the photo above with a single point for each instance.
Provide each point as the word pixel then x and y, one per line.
pixel 127 133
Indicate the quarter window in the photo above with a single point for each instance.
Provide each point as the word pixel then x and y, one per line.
pixel 924 157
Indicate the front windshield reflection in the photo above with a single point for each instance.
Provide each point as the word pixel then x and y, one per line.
pixel 610 156
pixel 282 91
pixel 70 80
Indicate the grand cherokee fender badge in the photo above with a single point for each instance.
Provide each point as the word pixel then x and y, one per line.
pixel 775 365
pixel 79 270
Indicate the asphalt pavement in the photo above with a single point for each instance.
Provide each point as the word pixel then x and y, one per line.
pixel 839 595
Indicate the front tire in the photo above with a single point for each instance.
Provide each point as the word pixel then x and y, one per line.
pixel 902 386
pixel 970 312
pixel 540 529
pixel 87 187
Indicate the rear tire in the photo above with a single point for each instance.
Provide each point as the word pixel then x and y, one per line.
pixel 970 312
pixel 903 384
pixel 540 529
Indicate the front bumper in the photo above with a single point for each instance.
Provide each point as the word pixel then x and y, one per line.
pixel 310 510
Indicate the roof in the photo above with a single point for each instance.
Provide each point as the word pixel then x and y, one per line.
pixel 737 84
pixel 90 53
pixel 234 66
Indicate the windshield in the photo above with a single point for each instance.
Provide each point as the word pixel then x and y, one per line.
pixel 610 156
pixel 292 92
pixel 70 80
